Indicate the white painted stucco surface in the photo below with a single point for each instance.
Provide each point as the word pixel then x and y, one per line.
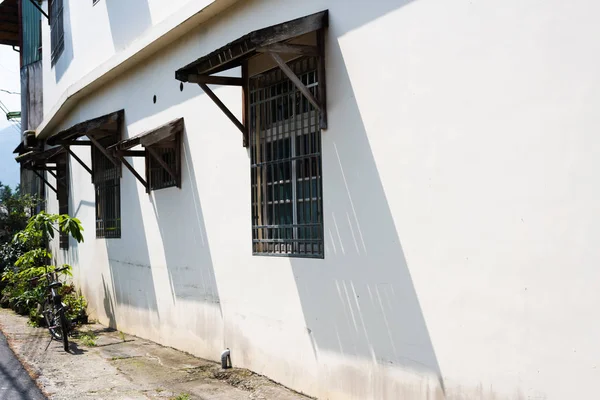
pixel 459 197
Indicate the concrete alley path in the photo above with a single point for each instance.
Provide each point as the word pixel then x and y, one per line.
pixel 110 365
pixel 15 383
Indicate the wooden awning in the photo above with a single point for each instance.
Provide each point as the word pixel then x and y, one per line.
pixel 95 129
pixel 275 41
pixel 166 135
pixel 39 159
pixel 9 23
pixel 108 124
pixel 231 55
pixel 148 138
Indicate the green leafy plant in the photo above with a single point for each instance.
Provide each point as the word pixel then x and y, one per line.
pixel 88 338
pixel 24 290
pixel 76 304
pixel 15 210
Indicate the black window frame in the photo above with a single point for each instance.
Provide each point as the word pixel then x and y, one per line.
pixel 285 154
pixel 57 30
pixel 169 150
pixel 107 188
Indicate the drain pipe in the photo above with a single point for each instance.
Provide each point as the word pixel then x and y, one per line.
pixel 226 359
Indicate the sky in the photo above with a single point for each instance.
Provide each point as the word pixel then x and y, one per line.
pixel 10 136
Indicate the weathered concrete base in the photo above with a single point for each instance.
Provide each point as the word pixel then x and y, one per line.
pixel 125 367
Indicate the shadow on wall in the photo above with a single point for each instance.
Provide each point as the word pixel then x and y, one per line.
pixel 128 20
pixel 360 302
pixel 64 60
pixel 129 261
pixel 182 229
pixel 109 307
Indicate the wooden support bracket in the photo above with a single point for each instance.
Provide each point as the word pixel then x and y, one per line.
pixel 134 172
pixel 292 76
pixel 224 108
pixel 162 163
pixel 245 100
pixel 79 160
pixel 215 80
pixel 59 181
pixel 104 151
pixel 45 181
pixel 130 153
pixel 73 142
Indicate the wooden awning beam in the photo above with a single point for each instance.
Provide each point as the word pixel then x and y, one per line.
pixel 225 110
pixel 59 181
pixel 151 137
pixel 215 80
pixel 79 160
pixel 86 128
pixel 73 142
pixel 130 153
pixel 104 151
pixel 233 54
pixel 294 78
pixel 133 171
pixel 162 163
pixel 45 181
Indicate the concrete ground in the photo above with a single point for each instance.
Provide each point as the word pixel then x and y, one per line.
pixel 104 364
pixel 15 382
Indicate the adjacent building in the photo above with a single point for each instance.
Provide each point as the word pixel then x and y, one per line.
pixel 391 199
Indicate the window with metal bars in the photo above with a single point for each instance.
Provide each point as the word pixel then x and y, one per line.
pixel 285 149
pixel 170 153
pixel 62 188
pixel 57 30
pixel 107 182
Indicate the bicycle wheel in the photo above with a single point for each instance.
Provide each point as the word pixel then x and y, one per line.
pixel 64 325
pixel 52 320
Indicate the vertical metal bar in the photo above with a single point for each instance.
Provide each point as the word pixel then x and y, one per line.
pixel 294 176
pixel 321 82
pixel 322 93
pixel 282 207
pixel 271 160
pixel 245 101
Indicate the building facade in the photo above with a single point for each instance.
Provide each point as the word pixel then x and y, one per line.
pixel 361 200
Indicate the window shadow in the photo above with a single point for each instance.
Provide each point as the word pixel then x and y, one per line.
pixel 128 20
pixel 360 302
pixel 64 60
pixel 187 253
pixel 131 275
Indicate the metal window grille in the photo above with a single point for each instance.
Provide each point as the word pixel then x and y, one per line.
pixel 170 153
pixel 62 187
pixel 285 148
pixel 107 182
pixel 57 31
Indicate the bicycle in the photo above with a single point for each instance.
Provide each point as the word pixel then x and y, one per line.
pixel 53 309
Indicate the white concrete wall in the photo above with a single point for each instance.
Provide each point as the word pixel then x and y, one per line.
pixel 460 209
pixel 96 32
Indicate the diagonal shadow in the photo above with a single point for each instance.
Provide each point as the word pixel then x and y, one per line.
pixel 360 303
